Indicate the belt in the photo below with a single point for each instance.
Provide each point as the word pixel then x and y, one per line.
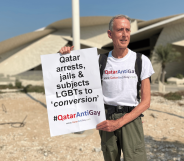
pixel 119 109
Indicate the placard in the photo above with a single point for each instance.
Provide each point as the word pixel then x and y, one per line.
pixel 73 91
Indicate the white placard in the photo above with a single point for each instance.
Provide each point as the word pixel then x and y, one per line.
pixel 73 91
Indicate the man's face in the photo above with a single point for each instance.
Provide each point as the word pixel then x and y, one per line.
pixel 121 33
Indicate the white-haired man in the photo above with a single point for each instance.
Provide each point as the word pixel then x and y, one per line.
pixel 123 128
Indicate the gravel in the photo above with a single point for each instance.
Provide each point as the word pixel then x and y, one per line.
pixel 163 127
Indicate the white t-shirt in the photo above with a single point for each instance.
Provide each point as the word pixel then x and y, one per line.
pixel 119 83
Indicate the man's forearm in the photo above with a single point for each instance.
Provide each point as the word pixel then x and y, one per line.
pixel 137 111
pixel 112 125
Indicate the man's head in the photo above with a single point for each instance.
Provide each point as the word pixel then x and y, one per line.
pixel 119 31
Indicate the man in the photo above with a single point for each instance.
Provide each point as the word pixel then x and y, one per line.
pixel 123 130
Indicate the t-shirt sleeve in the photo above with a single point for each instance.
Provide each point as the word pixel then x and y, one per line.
pixel 147 68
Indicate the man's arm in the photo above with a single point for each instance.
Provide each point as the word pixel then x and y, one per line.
pixel 112 125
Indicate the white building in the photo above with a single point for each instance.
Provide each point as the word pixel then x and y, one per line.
pixel 20 55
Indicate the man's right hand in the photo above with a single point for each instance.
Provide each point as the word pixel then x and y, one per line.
pixel 66 49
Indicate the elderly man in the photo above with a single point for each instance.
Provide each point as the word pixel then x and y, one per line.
pixel 123 128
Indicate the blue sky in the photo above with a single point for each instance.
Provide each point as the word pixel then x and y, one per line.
pixel 20 16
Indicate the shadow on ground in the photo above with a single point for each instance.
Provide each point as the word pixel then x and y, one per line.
pixel 164 149
pixel 167 113
pixel 44 105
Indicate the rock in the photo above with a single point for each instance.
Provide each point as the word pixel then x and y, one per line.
pixel 154 115
pixel 45 154
pixel 97 149
pixel 155 146
pixel 164 138
pixel 160 147
pixel 177 158
pixel 80 149
pixel 172 128
pixel 182 149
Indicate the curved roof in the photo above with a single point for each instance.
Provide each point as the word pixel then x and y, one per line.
pixel 23 39
pixel 150 22
pixel 20 40
pixel 12 43
pixel 84 22
pixel 155 28
pixel 17 41
pixel 51 38
pixel 29 56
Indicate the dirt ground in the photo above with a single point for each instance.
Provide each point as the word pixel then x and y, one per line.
pixel 163 126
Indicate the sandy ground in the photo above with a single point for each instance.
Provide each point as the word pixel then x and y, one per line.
pixel 163 126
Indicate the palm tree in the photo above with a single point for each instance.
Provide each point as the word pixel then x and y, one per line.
pixel 164 55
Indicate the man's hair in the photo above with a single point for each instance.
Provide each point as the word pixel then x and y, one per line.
pixel 116 17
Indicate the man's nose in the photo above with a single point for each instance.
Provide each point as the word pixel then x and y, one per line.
pixel 123 32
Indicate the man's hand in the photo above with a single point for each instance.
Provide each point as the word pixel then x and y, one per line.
pixel 109 125
pixel 66 49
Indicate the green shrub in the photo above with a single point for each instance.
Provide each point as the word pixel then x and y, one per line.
pixel 179 76
pixel 30 88
pixel 157 94
pixel 181 92
pixel 10 86
pixel 173 96
pixel 25 89
pixel 18 83
pixel 3 86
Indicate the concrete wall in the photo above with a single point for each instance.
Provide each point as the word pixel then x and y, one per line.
pixel 176 67
pixel 96 34
pixel 134 26
pixel 29 77
pixel 169 34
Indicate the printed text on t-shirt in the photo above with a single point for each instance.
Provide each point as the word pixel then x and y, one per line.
pixel 118 71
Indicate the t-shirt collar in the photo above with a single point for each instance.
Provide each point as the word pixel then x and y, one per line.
pixel 120 59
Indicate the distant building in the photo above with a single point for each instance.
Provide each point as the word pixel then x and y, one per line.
pixel 20 55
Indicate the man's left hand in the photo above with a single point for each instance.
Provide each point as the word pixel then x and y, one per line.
pixel 108 125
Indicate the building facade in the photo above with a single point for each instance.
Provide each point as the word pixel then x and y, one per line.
pixel 20 55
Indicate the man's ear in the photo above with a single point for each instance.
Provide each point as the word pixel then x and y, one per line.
pixel 109 32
